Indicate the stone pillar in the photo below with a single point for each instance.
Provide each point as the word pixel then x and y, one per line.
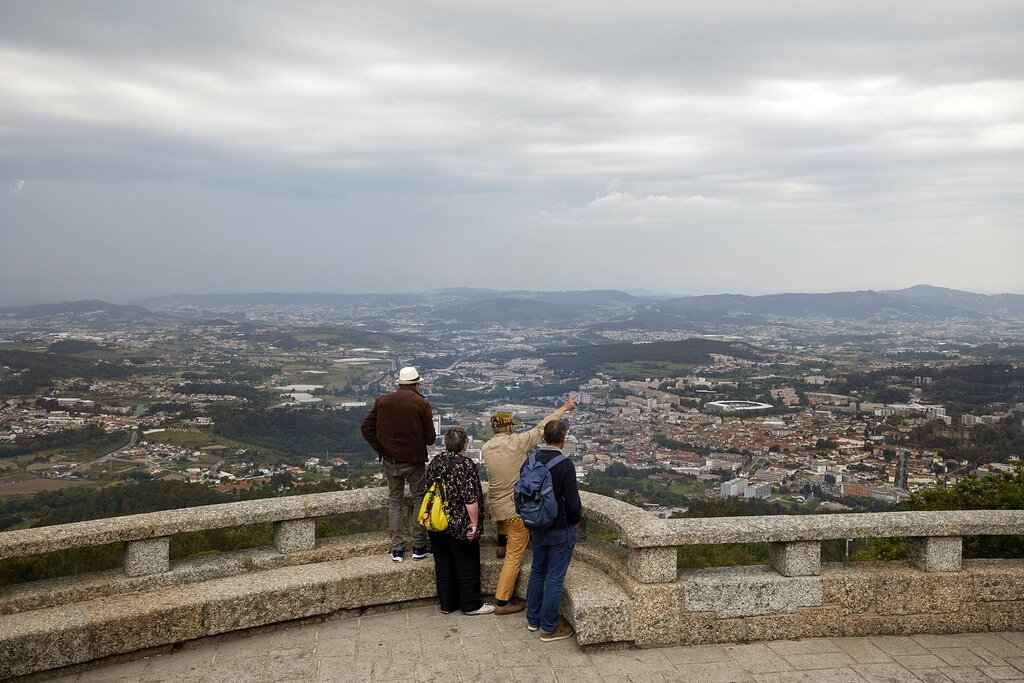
pixel 653 565
pixel 295 534
pixel 148 556
pixel 797 558
pixel 936 553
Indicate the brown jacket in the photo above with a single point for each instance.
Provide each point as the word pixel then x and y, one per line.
pixel 400 426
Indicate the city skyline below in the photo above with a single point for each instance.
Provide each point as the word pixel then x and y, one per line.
pixel 684 148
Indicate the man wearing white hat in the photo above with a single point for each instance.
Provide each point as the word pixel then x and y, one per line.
pixel 399 427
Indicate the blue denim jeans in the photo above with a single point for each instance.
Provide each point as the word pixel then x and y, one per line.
pixel 552 552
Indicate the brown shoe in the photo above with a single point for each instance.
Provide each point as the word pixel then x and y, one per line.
pixel 499 552
pixel 513 606
pixel 561 632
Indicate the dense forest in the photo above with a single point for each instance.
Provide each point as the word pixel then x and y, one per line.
pixel 585 360
pixel 91 437
pixel 965 388
pixel 296 432
pixel 44 368
pixel 986 443
pixel 69 347
pixel 962 388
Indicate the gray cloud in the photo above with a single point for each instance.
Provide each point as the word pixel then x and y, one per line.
pixel 749 146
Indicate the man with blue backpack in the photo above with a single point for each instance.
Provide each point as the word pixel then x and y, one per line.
pixel 505 454
pixel 548 501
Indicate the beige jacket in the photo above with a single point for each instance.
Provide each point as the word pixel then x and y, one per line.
pixel 504 455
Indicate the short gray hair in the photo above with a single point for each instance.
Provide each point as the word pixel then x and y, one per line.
pixel 555 431
pixel 455 439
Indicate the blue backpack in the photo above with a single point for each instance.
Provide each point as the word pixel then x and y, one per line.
pixel 534 493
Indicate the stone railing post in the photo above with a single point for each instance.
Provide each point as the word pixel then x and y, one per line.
pixel 653 565
pixel 295 534
pixel 651 555
pixel 936 553
pixel 147 556
pixel 796 558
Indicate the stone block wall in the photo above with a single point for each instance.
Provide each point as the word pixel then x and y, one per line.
pixel 626 592
pixel 741 604
pixel 796 596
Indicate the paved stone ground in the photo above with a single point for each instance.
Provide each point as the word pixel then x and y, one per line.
pixel 422 645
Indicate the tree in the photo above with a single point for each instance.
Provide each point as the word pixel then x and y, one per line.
pixel 282 480
pixel 892 395
pixel 1002 491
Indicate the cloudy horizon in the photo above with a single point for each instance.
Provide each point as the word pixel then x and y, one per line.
pixel 738 147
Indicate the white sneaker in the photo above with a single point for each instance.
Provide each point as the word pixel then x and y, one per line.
pixel 484 609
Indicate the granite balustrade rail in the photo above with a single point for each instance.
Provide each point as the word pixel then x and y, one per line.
pixel 935 538
pixel 631 591
pixel 152 525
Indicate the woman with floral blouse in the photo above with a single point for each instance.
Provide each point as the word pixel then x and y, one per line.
pixel 457 548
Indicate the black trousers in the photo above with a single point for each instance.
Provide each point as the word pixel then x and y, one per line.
pixel 457 571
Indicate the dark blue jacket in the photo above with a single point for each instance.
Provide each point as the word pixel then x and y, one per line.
pixel 567 493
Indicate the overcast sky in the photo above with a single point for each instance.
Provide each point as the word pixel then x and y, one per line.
pixel 157 147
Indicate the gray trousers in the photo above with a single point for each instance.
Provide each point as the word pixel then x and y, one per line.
pixel 398 475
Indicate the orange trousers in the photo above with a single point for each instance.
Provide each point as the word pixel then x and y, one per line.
pixel 518 539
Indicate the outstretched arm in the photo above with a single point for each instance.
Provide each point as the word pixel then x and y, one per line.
pixel 530 438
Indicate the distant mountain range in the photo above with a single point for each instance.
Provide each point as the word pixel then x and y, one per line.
pixel 508 309
pixel 85 307
pixel 526 307
pixel 440 297
pixel 921 301
pixel 606 309
pixel 213 301
pixel 956 299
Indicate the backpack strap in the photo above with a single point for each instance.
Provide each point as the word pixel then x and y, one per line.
pixel 550 464
pixel 558 459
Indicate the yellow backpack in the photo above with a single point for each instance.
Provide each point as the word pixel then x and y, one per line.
pixel 434 508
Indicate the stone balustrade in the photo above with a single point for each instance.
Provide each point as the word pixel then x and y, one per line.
pixel 146 535
pixel 629 592
pixel 934 538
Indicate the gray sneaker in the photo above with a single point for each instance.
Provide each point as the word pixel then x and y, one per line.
pixel 561 632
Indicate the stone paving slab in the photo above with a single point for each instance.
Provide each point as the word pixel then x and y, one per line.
pixel 420 644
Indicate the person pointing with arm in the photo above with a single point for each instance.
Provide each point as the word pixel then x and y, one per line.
pixel 504 453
